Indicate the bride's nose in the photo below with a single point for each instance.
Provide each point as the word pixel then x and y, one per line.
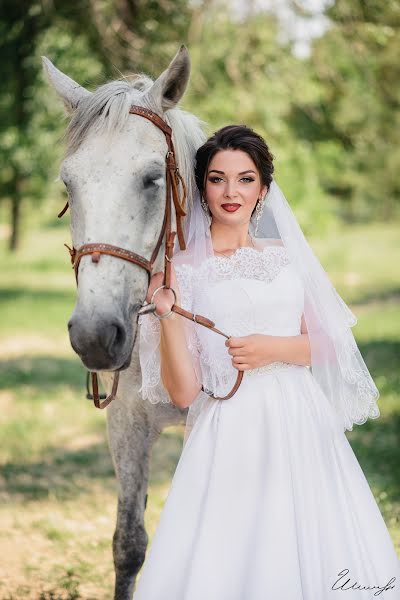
pixel 230 189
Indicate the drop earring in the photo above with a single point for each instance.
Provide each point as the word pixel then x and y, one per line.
pixel 259 210
pixel 206 210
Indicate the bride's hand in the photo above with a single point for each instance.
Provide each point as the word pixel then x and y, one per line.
pixel 251 351
pixel 164 298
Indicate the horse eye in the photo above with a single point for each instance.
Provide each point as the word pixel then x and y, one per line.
pixel 66 186
pixel 64 179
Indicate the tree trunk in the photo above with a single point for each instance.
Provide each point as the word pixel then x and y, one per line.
pixel 15 215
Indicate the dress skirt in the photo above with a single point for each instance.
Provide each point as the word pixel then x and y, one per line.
pixel 269 502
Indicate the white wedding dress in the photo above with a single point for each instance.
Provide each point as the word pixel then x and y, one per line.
pixel 268 500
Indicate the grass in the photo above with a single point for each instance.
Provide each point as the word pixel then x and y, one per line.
pixel 57 489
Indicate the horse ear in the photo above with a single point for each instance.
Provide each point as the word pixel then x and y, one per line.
pixel 170 86
pixel 70 92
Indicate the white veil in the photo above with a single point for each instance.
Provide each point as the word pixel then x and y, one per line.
pixel 336 362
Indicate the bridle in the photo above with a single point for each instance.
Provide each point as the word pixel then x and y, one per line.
pixel 173 181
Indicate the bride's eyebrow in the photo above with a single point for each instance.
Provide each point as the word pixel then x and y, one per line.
pixel 222 172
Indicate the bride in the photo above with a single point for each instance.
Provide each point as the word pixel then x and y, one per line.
pixel 268 500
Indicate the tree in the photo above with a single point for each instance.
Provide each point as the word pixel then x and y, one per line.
pixel 99 39
pixel 353 121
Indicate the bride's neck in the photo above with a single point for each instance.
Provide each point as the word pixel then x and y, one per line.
pixel 225 237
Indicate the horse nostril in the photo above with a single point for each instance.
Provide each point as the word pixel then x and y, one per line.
pixel 114 337
pixel 99 342
pixel 120 335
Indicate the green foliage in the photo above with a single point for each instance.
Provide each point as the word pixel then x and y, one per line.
pixel 354 119
pixel 249 78
pixel 91 42
pixel 331 120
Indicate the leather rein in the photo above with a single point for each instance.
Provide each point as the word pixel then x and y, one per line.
pixel 173 180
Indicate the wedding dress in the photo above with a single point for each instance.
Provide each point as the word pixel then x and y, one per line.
pixel 268 503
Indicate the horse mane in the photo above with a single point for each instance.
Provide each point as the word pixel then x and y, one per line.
pixel 107 110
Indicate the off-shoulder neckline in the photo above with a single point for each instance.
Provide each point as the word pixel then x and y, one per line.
pixel 233 258
pixel 243 248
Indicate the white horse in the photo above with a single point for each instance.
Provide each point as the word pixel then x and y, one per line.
pixel 114 171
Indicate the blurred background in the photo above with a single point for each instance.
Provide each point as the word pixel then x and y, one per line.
pixel 321 82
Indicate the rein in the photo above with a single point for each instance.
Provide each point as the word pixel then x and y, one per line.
pixel 173 181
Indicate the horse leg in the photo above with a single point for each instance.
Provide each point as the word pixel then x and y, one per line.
pixel 130 436
pixel 129 546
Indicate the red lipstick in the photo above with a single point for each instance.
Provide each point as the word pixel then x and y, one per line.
pixel 230 207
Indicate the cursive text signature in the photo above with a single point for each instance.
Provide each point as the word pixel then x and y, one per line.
pixel 357 586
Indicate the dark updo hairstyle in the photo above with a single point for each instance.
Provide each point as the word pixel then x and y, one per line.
pixel 235 137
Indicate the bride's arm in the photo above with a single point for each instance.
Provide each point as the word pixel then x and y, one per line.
pixel 177 364
pixel 294 349
pixel 177 370
pixel 251 352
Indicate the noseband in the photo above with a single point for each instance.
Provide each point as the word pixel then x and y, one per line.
pixel 173 181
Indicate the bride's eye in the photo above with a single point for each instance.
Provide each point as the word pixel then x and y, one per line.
pixel 216 179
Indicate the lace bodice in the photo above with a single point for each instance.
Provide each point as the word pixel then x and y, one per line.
pixel 249 292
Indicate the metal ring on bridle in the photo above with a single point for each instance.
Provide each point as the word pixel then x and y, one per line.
pixel 173 200
pixel 152 299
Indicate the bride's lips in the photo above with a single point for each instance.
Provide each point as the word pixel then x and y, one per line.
pixel 230 207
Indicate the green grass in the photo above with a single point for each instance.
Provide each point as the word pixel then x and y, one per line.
pixel 57 489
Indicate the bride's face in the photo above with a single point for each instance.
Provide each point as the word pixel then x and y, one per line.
pixel 232 178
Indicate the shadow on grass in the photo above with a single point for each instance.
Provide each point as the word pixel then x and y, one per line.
pixel 377 442
pixel 62 473
pixel 376 296
pixel 376 445
pixel 67 474
pixel 42 372
pixel 381 358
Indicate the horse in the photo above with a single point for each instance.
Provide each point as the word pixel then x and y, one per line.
pixel 115 176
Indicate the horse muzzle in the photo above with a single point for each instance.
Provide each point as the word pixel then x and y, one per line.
pixel 104 343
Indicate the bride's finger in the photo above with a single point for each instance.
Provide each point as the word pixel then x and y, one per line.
pixel 242 367
pixel 238 362
pixel 237 352
pixel 240 358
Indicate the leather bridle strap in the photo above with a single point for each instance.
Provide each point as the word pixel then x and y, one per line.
pixel 173 175
pixel 96 395
pixel 210 325
pixel 96 250
pixel 173 179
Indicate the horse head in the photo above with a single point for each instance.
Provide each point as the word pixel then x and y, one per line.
pixel 114 171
